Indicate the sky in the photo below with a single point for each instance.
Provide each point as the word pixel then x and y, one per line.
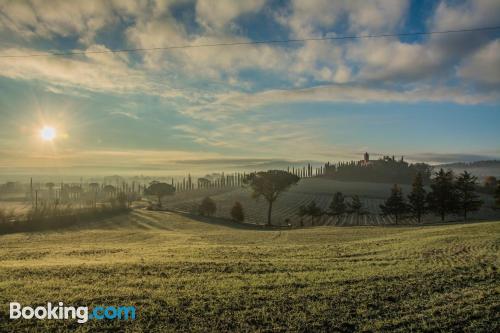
pixel 432 98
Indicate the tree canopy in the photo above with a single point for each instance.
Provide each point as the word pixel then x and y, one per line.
pixel 159 190
pixel 237 212
pixel 468 199
pixel 337 207
pixel 270 184
pixel 443 196
pixel 207 207
pixel 395 205
pixel 417 199
pixel 312 210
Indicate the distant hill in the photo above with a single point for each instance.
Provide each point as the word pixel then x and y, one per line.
pixel 476 164
pixel 478 168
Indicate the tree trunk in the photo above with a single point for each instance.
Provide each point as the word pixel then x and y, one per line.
pixel 442 216
pixel 269 213
pixel 465 214
pixel 312 221
pixel 159 201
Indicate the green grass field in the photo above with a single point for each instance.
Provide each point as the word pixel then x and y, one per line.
pixel 194 275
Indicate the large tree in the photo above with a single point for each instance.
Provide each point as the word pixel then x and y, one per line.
pixel 395 205
pixel 417 199
pixel 468 199
pixel 159 190
pixel 270 184
pixel 338 206
pixel 443 199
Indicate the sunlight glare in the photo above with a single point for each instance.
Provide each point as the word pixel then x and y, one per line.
pixel 48 133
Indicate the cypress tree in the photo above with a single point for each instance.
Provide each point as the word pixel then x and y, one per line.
pixel 312 210
pixel 417 198
pixel 338 206
pixel 395 205
pixel 442 199
pixel 356 207
pixel 468 199
pixel 237 212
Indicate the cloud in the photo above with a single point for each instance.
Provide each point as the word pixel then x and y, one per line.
pixel 95 72
pixel 62 18
pixel 310 18
pixel 438 158
pixel 225 105
pixel 218 13
pixel 484 65
pixel 392 60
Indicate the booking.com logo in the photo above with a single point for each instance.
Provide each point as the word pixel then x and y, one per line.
pixel 81 313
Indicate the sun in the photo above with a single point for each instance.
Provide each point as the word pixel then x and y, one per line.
pixel 48 133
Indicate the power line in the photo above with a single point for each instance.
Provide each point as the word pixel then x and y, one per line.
pixel 276 41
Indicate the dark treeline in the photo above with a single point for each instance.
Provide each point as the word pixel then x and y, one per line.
pixel 448 195
pixel 384 170
pixel 49 217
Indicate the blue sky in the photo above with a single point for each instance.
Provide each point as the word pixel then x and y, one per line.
pixel 431 98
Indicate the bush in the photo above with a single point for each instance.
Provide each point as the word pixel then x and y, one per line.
pixel 207 207
pixel 237 212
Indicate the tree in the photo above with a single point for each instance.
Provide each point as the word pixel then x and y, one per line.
pixel 490 182
pixel 417 198
pixel 497 197
pixel 159 190
pixel 338 206
pixel 312 210
pixel 302 212
pixel 270 184
pixel 237 212
pixel 468 199
pixel 207 207
pixel 356 207
pixel 395 205
pixel 109 190
pixel 442 199
pixel 94 188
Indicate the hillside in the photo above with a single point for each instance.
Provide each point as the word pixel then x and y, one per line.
pixel 189 275
pixel 320 190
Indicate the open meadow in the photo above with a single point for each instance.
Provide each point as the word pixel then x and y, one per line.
pixel 192 274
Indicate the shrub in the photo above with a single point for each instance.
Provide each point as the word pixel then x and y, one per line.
pixel 237 212
pixel 207 207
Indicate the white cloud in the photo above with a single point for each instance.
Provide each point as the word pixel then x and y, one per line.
pixel 308 18
pixel 484 65
pixel 95 72
pixel 466 14
pixel 215 14
pixel 383 59
pixel 226 105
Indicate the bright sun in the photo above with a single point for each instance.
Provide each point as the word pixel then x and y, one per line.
pixel 48 133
